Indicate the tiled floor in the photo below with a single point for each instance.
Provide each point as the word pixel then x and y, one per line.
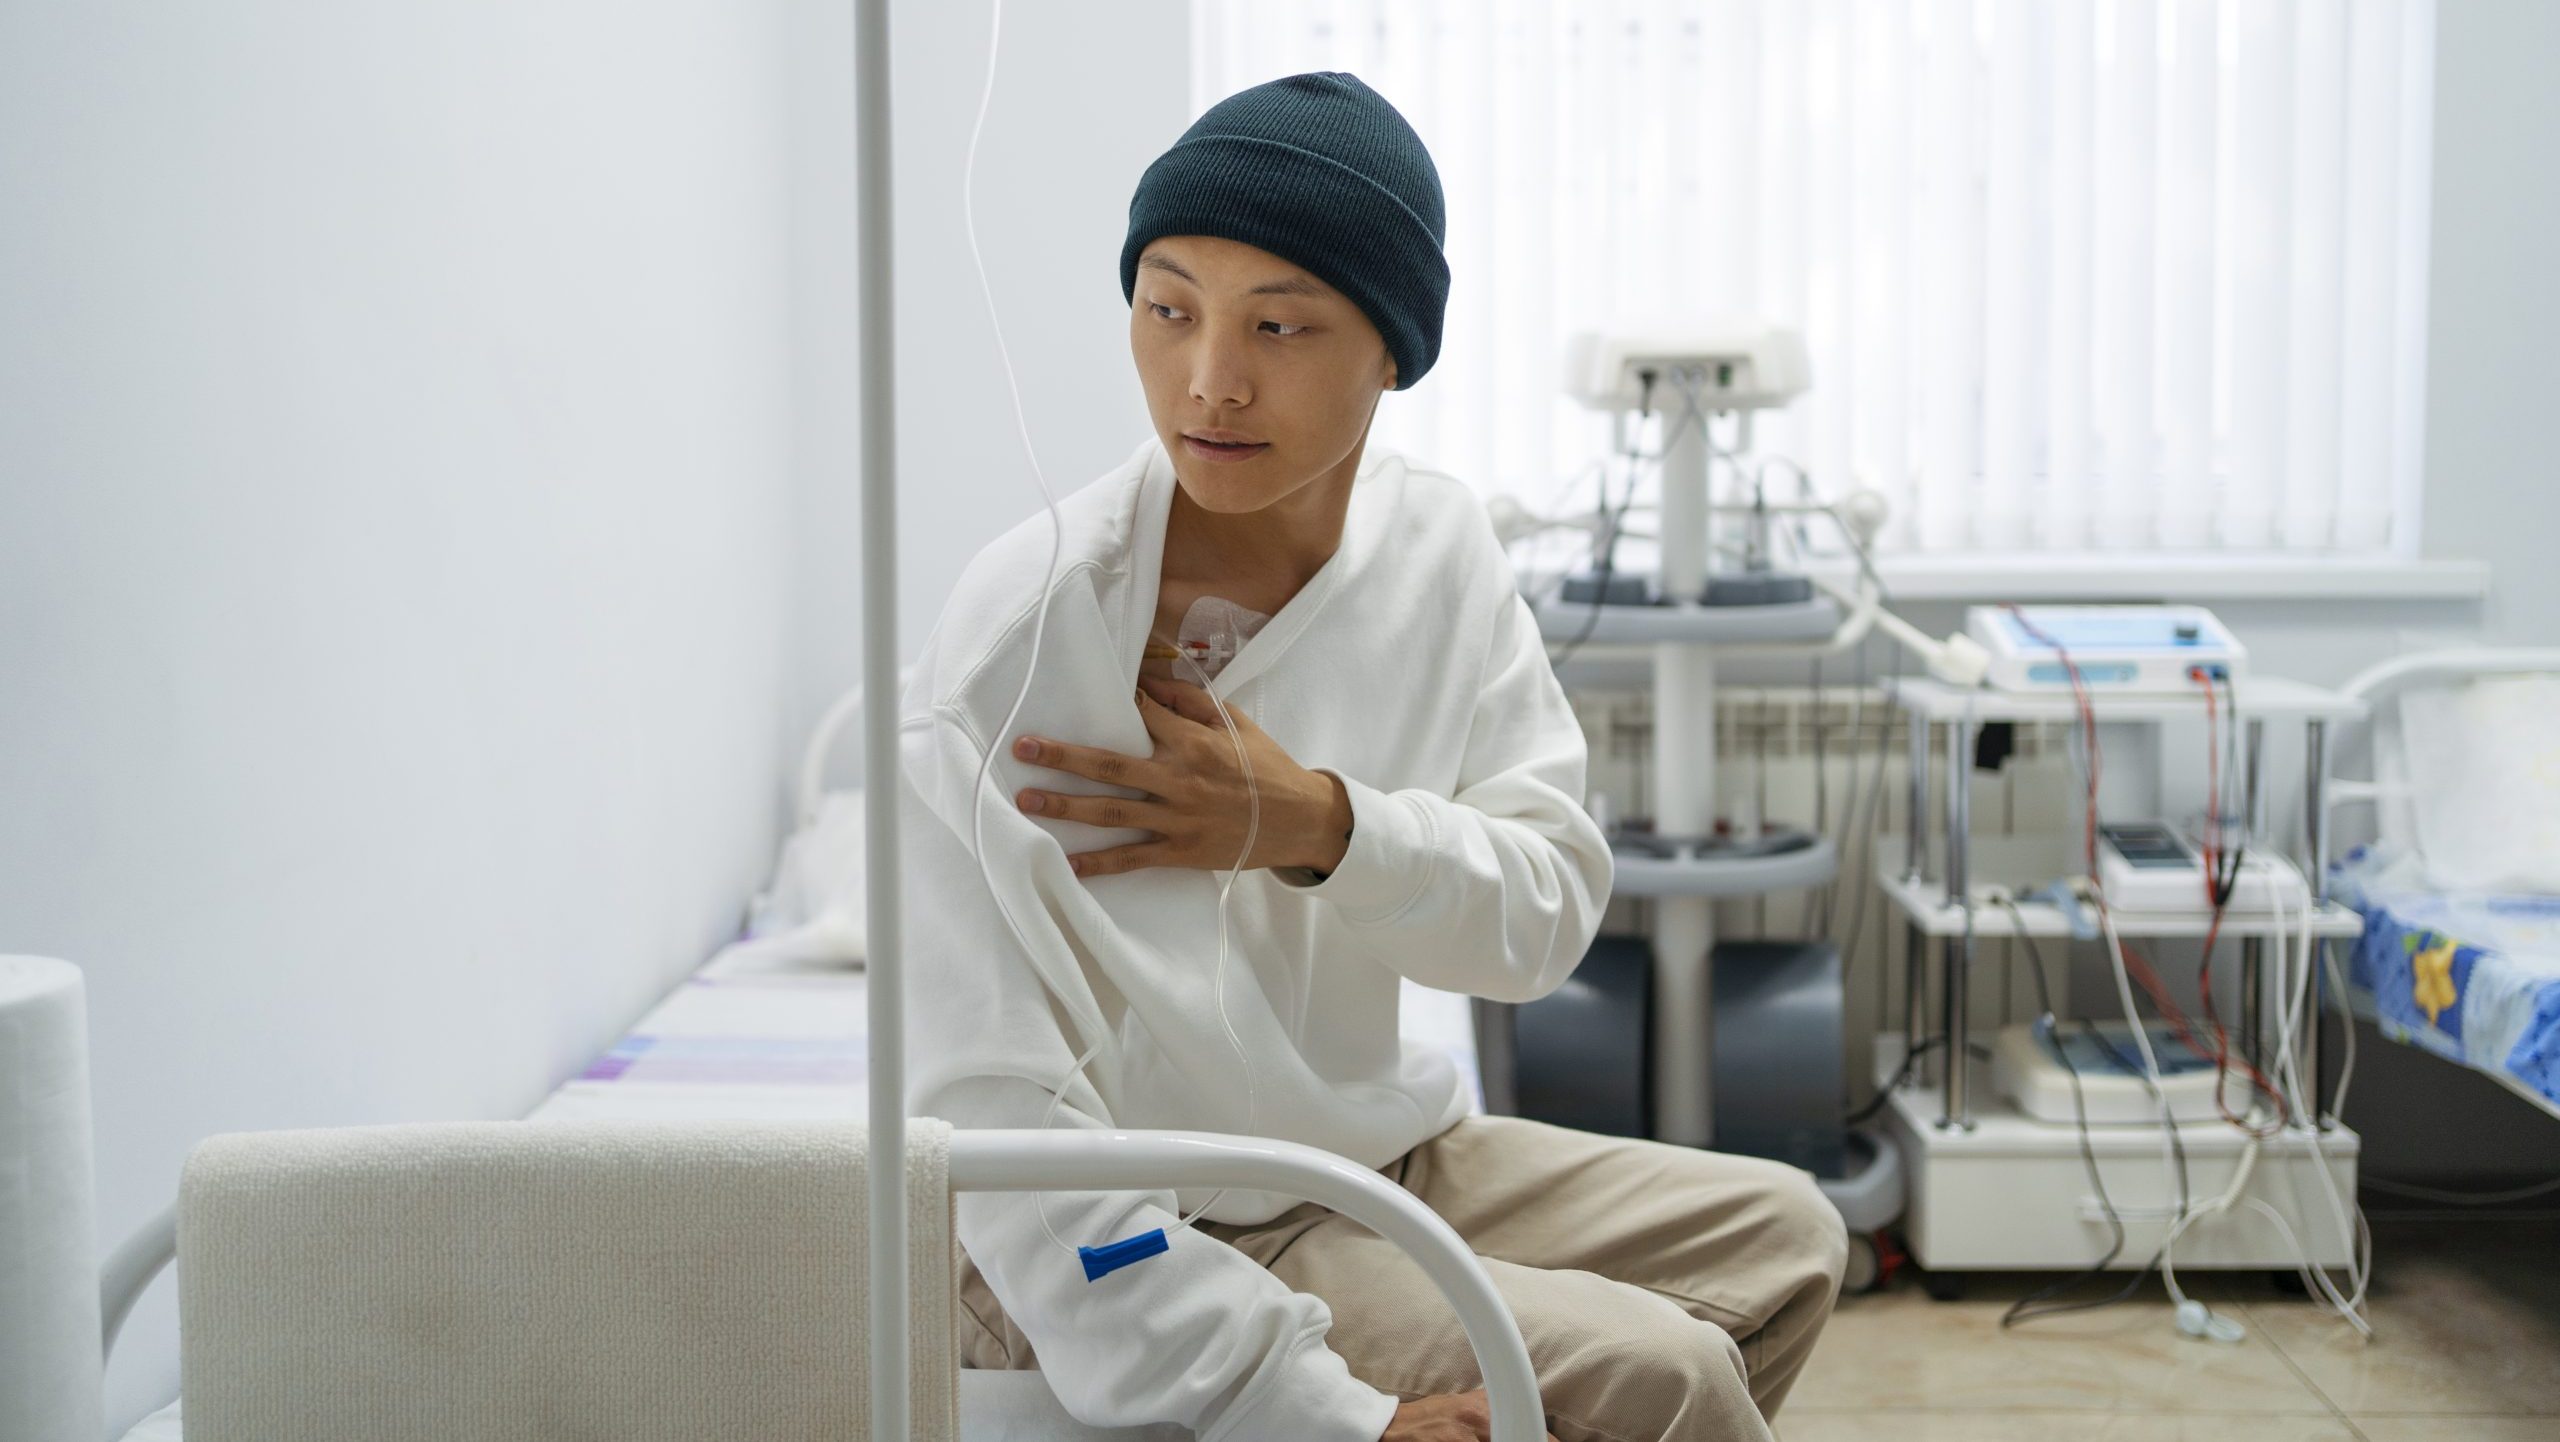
pixel 2467 1346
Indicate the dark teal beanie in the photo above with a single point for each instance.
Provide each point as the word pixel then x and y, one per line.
pixel 1322 172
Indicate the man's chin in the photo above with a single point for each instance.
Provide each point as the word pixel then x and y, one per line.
pixel 1227 495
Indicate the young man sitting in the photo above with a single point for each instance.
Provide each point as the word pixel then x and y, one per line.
pixel 1419 777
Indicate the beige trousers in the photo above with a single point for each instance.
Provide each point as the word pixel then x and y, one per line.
pixel 1666 1294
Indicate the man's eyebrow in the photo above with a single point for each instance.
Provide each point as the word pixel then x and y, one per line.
pixel 1294 285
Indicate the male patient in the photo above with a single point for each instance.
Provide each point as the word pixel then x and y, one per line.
pixel 1419 775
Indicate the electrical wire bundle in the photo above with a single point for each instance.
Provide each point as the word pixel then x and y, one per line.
pixel 2223 854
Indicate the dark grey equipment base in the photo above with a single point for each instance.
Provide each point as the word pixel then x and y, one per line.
pixel 1585 588
pixel 1581 1056
pixel 1757 588
pixel 1772 841
pixel 1780 1083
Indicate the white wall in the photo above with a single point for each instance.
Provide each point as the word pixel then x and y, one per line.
pixel 394 485
pixel 2493 449
pixel 1086 97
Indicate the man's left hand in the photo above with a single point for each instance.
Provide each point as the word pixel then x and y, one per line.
pixel 1197 801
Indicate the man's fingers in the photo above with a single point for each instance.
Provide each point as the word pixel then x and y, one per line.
pixel 1162 721
pixel 1112 861
pixel 1117 768
pixel 1109 811
pixel 1191 703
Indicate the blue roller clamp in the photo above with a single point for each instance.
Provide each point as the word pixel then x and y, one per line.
pixel 2084 927
pixel 1100 1262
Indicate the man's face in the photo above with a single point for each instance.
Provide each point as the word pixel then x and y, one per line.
pixel 1234 343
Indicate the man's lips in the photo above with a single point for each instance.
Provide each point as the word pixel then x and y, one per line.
pixel 1223 451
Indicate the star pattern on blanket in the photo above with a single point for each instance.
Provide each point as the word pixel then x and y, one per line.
pixel 2431 978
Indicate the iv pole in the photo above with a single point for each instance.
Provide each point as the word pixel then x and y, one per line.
pixel 886 1001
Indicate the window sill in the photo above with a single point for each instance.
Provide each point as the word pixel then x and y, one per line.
pixel 2105 576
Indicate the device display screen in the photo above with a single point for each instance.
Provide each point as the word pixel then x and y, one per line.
pixel 2151 846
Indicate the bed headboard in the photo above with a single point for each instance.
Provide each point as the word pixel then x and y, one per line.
pixel 2384 785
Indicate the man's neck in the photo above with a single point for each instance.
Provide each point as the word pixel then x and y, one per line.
pixel 1278 547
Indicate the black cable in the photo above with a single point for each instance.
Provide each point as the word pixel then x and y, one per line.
pixel 2024 1309
pixel 1901 1074
pixel 2224 878
pixel 1866 822
pixel 1612 520
pixel 1608 566
pixel 2021 1311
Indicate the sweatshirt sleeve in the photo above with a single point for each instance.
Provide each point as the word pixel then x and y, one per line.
pixel 1497 889
pixel 1200 1336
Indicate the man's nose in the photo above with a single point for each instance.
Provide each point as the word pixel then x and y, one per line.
pixel 1219 374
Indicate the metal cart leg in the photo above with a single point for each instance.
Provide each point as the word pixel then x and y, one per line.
pixel 1958 951
pixel 2315 836
pixel 2253 949
pixel 1915 999
pixel 1916 822
pixel 2253 979
pixel 1915 954
pixel 2255 784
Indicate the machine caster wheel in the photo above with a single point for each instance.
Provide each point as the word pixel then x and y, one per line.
pixel 1943 1286
pixel 1865 1267
pixel 2288 1282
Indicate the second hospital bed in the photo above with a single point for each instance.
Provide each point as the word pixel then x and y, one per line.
pixel 2460 954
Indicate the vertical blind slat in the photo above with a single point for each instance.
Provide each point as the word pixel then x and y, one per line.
pixel 2186 361
pixel 2262 198
pixel 2070 455
pixel 2373 176
pixel 2013 273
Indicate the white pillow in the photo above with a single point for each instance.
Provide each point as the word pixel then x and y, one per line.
pixel 2484 768
pixel 813 916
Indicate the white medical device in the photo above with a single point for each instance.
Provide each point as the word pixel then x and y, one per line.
pixel 2146 867
pixel 2028 1063
pixel 2115 648
pixel 1682 375
pixel 1742 365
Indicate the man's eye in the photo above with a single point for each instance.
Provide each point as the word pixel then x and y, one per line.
pixel 1285 326
pixel 1166 311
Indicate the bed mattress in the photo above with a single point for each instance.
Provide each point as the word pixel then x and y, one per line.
pixel 2471 976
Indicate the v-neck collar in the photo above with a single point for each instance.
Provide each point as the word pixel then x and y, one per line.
pixel 1155 513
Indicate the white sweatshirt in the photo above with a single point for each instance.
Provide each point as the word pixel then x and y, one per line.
pixel 1409 667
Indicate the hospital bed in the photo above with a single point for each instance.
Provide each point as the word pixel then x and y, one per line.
pixel 748 1039
pixel 2461 966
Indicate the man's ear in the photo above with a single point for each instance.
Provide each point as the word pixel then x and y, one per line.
pixel 1390 382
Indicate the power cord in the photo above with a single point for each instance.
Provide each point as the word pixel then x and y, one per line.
pixel 2025 1310
pixel 1611 521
